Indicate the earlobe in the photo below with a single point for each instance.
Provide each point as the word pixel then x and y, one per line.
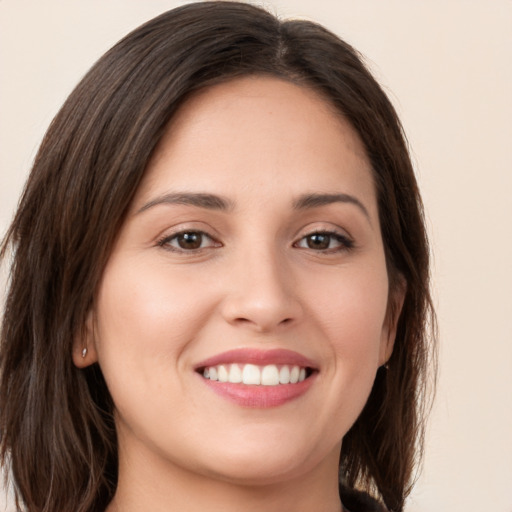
pixel 84 344
pixel 395 305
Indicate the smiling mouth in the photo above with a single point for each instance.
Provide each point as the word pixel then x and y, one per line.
pixel 258 379
pixel 256 375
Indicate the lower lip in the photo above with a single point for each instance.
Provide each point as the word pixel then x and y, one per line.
pixel 260 396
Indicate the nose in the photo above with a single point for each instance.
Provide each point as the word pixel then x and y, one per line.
pixel 262 293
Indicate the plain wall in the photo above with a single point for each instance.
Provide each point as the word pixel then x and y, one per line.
pixel 447 65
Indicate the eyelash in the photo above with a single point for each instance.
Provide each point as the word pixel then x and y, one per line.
pixel 165 242
pixel 345 243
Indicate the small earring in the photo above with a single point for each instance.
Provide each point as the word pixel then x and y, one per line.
pixel 84 352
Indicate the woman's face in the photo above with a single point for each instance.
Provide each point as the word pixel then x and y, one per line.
pixel 252 251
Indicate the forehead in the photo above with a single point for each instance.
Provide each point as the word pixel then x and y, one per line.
pixel 259 129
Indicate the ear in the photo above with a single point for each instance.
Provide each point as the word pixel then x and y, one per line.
pixel 395 305
pixel 84 344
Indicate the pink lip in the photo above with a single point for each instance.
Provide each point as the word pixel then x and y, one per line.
pixel 258 357
pixel 259 396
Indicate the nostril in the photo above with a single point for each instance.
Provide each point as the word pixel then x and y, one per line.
pixel 242 320
pixel 261 323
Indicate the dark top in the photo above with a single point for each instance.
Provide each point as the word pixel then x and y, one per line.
pixel 356 501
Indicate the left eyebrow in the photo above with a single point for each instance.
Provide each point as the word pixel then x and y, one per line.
pixel 307 201
pixel 199 200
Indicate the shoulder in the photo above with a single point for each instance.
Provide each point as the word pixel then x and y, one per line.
pixel 357 501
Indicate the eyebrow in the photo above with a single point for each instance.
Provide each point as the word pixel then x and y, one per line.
pixel 307 201
pixel 215 202
pixel 200 200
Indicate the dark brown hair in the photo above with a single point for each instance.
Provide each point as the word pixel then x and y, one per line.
pixel 57 430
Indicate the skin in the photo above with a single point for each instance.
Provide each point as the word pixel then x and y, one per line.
pixel 257 282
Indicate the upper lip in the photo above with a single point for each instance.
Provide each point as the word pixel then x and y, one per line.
pixel 258 357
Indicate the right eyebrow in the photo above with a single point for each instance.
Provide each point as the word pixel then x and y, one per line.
pixel 316 200
pixel 198 199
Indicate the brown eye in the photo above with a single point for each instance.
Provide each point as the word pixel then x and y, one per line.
pixel 188 241
pixel 192 240
pixel 318 241
pixel 325 241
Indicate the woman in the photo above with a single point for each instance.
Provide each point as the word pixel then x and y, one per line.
pixel 219 293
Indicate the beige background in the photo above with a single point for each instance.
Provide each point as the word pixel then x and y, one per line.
pixel 447 65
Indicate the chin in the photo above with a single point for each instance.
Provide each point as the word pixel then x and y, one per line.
pixel 268 462
pixel 251 472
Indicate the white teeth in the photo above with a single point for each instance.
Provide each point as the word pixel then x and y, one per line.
pixel 235 374
pixel 223 373
pixel 250 374
pixel 270 375
pixel 284 375
pixel 294 375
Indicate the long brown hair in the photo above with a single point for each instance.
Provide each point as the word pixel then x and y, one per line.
pixel 57 429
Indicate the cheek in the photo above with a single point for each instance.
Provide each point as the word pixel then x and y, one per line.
pixel 137 298
pixel 351 312
pixel 351 307
pixel 144 321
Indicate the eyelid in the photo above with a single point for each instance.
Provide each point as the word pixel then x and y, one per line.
pixel 323 227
